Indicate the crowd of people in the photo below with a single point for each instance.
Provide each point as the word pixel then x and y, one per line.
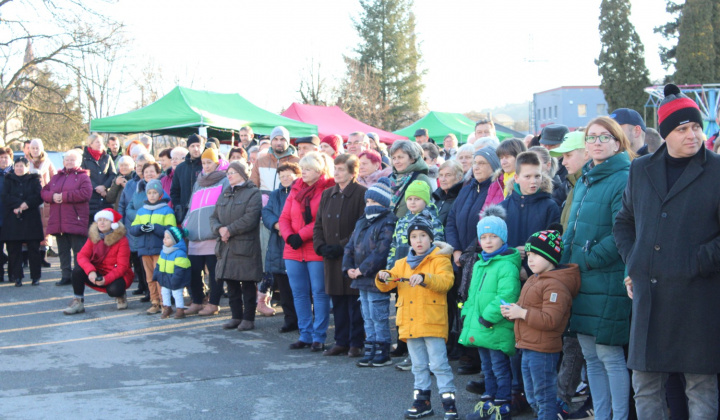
pixel 539 263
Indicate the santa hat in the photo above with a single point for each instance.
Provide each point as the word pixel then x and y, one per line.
pixel 110 215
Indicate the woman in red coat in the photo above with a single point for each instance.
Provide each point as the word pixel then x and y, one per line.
pixel 305 267
pixel 103 263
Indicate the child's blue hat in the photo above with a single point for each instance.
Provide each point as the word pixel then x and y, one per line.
pixel 492 220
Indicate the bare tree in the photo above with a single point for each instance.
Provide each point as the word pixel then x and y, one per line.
pixel 313 86
pixel 360 94
pixel 54 35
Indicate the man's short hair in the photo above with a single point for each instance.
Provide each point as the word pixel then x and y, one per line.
pixel 653 139
pixel 167 152
pixel 432 150
pixel 248 129
pixel 485 121
pixel 526 158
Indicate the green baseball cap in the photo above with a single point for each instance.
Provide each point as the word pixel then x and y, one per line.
pixel 572 141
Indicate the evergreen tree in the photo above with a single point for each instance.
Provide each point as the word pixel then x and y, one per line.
pixel 669 31
pixel 696 52
pixel 621 63
pixel 389 50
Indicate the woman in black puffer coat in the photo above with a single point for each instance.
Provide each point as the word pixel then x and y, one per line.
pixel 101 169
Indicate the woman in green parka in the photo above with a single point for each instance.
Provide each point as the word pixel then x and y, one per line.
pixel 495 281
pixel 601 311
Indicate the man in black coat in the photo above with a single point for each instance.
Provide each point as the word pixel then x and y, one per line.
pixel 668 234
pixel 186 174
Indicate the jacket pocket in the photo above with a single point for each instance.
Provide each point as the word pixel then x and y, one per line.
pixel 242 247
pixel 435 310
pixel 400 310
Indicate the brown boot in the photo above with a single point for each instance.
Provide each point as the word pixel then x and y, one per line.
pixel 166 312
pixel 180 313
pixel 193 309
pixel 209 309
pixel 155 308
pixel 262 304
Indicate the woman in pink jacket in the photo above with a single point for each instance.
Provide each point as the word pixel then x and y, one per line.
pixel 305 268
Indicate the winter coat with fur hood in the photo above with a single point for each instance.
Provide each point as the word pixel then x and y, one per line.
pixel 109 257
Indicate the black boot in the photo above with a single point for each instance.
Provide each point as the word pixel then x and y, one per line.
pixel 448 403
pixel 18 282
pixel 368 354
pixel 382 355
pixel 44 263
pixel 63 282
pixel 421 405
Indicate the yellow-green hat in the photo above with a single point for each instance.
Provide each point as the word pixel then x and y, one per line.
pixel 418 189
pixel 572 141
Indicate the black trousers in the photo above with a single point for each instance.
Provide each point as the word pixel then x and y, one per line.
pixel 242 299
pixel 139 269
pixel 68 247
pixel 197 265
pixel 15 259
pixel 286 299
pixel 80 279
pixel 349 324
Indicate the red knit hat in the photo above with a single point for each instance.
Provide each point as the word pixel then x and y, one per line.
pixel 110 215
pixel 334 141
pixel 675 110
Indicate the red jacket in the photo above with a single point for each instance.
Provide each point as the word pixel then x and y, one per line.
pixel 70 216
pixel 292 220
pixel 109 257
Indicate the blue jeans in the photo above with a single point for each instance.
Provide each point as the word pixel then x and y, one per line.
pixel 429 354
pixel 539 372
pixel 496 368
pixel 308 277
pixel 376 314
pixel 701 390
pixel 608 377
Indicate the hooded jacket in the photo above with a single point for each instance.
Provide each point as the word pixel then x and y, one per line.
pixel 492 282
pixel 161 217
pixel 368 249
pixel 27 226
pixel 108 257
pixel 527 214
pixel 547 297
pixel 400 245
pixel 264 172
pixel 205 194
pixel 173 267
pixel 422 310
pixel 274 261
pixel 444 201
pixel 419 172
pixel 70 216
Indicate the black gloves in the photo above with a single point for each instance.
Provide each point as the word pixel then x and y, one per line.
pixel 331 252
pixel 147 227
pixel 485 323
pixel 295 241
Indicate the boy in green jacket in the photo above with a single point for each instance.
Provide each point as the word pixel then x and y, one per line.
pixel 495 281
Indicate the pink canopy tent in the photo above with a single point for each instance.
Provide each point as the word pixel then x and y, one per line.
pixel 332 120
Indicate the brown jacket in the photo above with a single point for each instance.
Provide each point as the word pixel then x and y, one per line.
pixel 548 299
pixel 334 224
pixel 264 172
pixel 238 209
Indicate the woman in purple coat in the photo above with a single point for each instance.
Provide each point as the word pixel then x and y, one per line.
pixel 68 195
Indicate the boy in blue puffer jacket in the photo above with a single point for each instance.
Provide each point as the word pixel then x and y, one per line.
pixel 172 272
pixel 366 254
pixel 149 227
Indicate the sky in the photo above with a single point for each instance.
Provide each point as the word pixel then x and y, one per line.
pixel 478 54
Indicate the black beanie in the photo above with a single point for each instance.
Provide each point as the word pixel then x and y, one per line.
pixel 423 221
pixel 546 243
pixel 194 138
pixel 675 110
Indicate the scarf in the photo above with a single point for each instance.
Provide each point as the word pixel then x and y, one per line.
pixel 372 212
pixel 208 180
pixel 167 250
pixel 399 183
pixel 96 154
pixel 414 260
pixel 307 192
pixel 486 257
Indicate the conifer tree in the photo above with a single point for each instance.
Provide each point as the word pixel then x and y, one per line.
pixel 696 52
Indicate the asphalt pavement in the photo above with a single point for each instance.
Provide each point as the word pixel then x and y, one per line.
pixel 110 364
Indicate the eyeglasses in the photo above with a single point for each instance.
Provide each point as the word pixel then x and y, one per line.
pixel 604 138
pixel 356 142
pixel 232 173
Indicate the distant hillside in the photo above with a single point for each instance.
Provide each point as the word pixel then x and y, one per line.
pixel 513 115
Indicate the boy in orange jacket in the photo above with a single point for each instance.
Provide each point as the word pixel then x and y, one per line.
pixel 422 280
pixel 541 315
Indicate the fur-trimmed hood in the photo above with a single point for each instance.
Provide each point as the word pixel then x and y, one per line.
pixel 546 184
pixel 110 239
pixel 443 248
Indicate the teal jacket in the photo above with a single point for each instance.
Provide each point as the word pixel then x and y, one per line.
pixel 492 281
pixel 602 308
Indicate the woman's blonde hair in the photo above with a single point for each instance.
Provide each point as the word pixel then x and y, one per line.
pixel 320 162
pixel 92 137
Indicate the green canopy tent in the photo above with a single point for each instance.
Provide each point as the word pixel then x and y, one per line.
pixel 183 111
pixel 440 124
